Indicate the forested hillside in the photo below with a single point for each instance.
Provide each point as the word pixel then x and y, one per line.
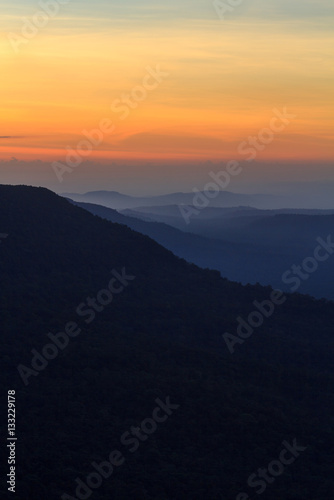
pixel 162 335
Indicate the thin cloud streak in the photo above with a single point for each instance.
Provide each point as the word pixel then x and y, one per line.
pixel 12 137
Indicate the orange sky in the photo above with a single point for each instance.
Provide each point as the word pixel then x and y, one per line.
pixel 224 80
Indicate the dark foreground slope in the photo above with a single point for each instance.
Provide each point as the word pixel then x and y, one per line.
pixel 160 337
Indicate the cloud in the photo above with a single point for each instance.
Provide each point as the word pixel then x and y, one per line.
pixel 11 137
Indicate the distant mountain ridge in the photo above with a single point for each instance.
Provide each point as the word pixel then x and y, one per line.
pixel 113 199
pixel 119 201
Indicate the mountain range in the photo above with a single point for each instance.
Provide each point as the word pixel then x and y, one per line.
pixel 246 245
pixel 90 365
pixel 113 199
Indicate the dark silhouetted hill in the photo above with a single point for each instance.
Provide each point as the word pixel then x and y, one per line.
pixel 160 337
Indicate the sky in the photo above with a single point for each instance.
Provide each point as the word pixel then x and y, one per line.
pixel 163 90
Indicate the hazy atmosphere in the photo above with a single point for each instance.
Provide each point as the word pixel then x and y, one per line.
pixel 167 249
pixel 173 86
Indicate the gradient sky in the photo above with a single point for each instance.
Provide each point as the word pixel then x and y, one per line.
pixel 225 78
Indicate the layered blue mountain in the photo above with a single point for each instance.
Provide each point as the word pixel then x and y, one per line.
pixel 244 244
